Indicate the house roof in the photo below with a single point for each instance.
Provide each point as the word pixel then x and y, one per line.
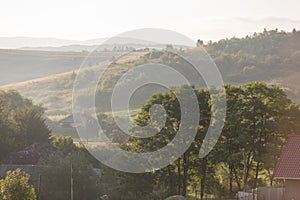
pixel 288 165
pixel 74 118
pixel 35 153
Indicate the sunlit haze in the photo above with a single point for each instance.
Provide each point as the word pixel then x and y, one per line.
pixel 89 19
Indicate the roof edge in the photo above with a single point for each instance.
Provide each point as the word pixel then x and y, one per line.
pixel 286 178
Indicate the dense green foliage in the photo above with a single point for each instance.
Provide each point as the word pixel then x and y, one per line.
pixel 260 57
pixel 21 123
pixel 15 186
pixel 259 117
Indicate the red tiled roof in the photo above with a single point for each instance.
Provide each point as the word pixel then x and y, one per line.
pixel 288 165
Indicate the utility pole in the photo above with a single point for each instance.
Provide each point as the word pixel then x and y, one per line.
pixel 72 182
pixel 39 187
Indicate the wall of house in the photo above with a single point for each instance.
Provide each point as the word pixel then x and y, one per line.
pixel 292 190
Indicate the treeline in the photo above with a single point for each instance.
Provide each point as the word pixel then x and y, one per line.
pixel 260 57
pixel 259 117
pixel 266 56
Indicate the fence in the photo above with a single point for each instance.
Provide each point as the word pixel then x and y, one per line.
pixel 247 195
pixel 263 193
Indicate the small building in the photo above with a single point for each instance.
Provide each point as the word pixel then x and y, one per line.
pixel 37 153
pixel 288 168
pixel 73 120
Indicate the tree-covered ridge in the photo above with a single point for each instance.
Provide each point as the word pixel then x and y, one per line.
pixel 260 57
pixel 270 56
pixel 264 56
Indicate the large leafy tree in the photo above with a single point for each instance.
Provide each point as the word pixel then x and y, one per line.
pixel 21 123
pixel 258 119
pixel 265 110
pixel 15 186
pixel 228 150
pixel 8 133
pixel 178 175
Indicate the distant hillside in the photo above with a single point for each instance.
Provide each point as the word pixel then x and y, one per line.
pixel 19 42
pixel 55 91
pixel 271 56
pixel 19 65
pixel 55 44
pixel 112 44
pixel 104 47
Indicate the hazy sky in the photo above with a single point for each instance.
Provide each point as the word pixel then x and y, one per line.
pixel 88 19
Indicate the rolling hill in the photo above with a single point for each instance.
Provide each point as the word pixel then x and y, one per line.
pixel 21 65
pixel 270 56
pixel 55 91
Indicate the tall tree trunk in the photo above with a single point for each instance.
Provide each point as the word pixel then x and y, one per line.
pixel 247 163
pixel 256 175
pixel 237 179
pixel 179 176
pixel 245 172
pixel 271 177
pixel 260 148
pixel 230 181
pixel 172 189
pixel 203 177
pixel 185 172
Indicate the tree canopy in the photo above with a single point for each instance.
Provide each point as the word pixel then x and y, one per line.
pixel 15 186
pixel 259 117
pixel 21 123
